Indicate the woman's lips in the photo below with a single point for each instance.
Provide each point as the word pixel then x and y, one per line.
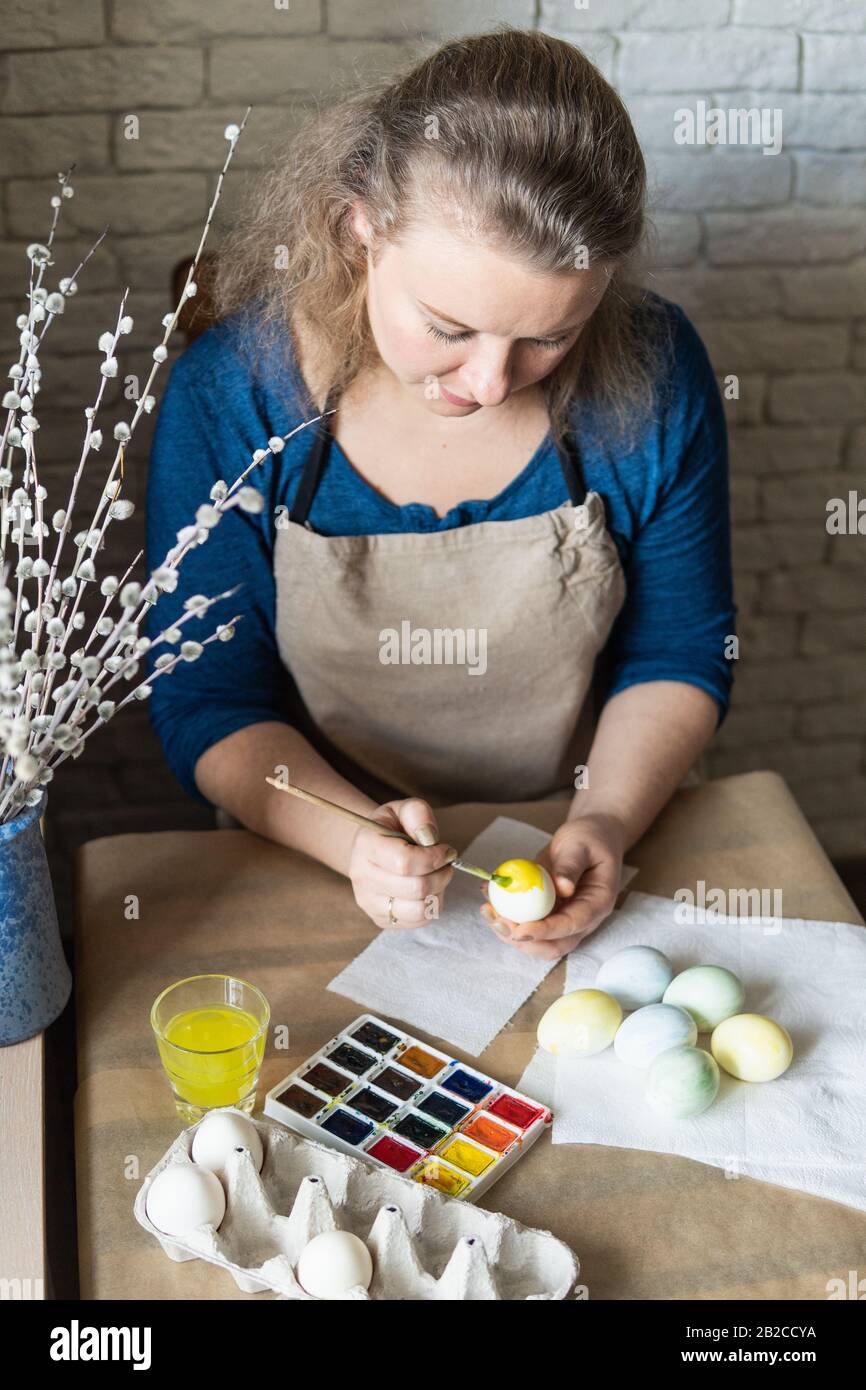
pixel 455 400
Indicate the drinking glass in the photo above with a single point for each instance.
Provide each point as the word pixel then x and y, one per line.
pixel 211 1032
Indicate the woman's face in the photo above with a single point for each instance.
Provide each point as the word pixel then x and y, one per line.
pixel 461 327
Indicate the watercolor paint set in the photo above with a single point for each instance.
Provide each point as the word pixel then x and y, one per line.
pixel 381 1095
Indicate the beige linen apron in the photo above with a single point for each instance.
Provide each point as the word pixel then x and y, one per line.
pixel 453 665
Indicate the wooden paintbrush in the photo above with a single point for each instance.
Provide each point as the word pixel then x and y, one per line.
pixel 502 879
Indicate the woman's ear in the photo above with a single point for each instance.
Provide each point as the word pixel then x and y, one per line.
pixel 359 223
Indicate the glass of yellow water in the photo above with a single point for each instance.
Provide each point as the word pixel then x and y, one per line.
pixel 211 1032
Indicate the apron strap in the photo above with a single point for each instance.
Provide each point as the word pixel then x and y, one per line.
pixel 313 468
pixel 569 462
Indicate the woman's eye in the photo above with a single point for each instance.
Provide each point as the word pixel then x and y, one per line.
pixel 550 343
pixel 446 337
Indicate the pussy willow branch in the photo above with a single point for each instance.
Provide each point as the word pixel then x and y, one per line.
pixel 169 329
pixel 49 319
pixel 72 705
pixel 107 498
pixel 214 636
pixel 26 349
pixel 121 674
pixel 183 297
pixel 30 460
pixel 64 531
pixel 30 381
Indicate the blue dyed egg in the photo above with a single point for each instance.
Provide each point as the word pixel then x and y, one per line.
pixel 682 1082
pixel 636 976
pixel 653 1029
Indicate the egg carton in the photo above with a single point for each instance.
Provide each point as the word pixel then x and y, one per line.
pixel 424 1245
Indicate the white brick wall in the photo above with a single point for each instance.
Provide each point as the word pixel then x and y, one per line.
pixel 767 255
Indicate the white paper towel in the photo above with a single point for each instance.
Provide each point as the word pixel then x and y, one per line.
pixel 539 1078
pixel 807 1129
pixel 454 978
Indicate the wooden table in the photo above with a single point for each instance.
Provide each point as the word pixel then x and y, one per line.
pixel 22 1164
pixel 22 1167
pixel 645 1225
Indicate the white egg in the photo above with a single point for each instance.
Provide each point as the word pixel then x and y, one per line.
pixel 184 1196
pixel 219 1133
pixel 653 1029
pixel 528 897
pixel 333 1263
pixel 636 976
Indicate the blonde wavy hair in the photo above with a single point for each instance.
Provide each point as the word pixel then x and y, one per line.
pixel 512 137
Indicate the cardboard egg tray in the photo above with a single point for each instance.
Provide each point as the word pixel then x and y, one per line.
pixel 381 1095
pixel 424 1245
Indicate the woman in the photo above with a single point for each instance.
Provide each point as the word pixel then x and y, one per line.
pixel 499 569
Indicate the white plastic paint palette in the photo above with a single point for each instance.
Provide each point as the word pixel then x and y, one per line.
pixel 423 1245
pixel 378 1094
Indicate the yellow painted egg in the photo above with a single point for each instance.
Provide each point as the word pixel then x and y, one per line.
pixel 752 1047
pixel 580 1024
pixel 529 896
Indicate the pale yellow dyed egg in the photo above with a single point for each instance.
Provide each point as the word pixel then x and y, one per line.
pixel 752 1047
pixel 580 1024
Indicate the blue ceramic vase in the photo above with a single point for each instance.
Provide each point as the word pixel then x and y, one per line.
pixel 35 983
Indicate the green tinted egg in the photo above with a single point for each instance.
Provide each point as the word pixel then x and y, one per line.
pixel 709 992
pixel 682 1082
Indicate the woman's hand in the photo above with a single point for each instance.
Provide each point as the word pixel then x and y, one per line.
pixel 584 859
pixel 381 868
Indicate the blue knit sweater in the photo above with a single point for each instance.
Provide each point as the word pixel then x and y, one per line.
pixel 666 502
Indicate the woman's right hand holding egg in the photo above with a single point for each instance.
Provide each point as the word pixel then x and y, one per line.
pixel 413 875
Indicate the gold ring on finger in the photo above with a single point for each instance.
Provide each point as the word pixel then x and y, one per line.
pixel 391 918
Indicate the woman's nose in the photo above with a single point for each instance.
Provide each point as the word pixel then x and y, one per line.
pixel 488 377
